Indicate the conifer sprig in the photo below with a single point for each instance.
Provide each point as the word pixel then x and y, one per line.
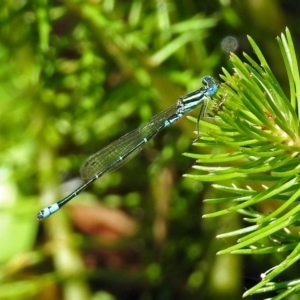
pixel 257 130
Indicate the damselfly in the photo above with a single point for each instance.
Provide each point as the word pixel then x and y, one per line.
pixel 125 148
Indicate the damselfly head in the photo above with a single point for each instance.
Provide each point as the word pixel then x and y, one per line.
pixel 210 84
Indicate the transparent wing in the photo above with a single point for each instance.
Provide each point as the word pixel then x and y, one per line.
pixel 125 148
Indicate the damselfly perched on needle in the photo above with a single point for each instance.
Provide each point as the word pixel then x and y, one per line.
pixel 125 148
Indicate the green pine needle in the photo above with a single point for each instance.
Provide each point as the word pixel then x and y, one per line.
pixel 255 141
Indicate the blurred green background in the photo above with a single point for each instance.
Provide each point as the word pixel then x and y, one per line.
pixel 77 75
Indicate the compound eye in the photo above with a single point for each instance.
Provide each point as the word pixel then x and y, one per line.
pixel 213 89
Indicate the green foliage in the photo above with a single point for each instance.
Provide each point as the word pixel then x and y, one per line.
pixel 258 125
pixel 76 75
